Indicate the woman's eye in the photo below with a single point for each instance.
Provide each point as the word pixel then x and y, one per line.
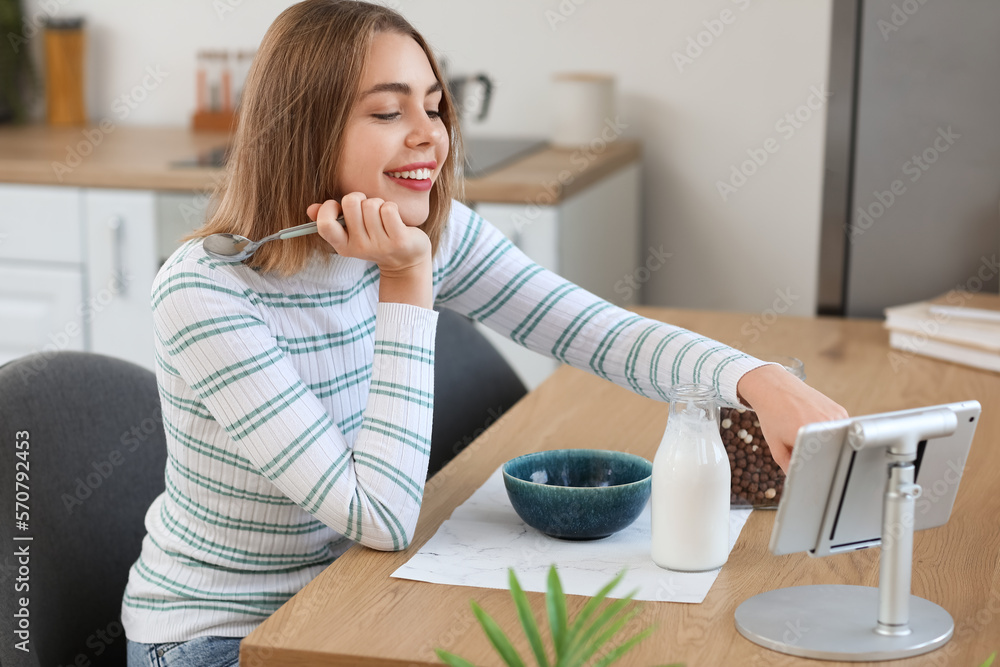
pixel 433 113
pixel 386 116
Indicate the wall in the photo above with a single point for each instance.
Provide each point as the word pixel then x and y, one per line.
pixel 747 248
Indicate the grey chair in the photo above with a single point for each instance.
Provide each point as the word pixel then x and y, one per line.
pixel 473 386
pixel 93 463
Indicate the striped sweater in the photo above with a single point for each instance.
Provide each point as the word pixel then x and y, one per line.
pixel 298 412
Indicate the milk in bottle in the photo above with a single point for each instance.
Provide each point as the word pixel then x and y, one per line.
pixel 691 485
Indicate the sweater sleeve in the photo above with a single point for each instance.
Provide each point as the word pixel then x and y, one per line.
pixel 211 335
pixel 488 279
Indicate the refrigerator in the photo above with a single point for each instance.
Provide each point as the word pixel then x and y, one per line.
pixel 911 200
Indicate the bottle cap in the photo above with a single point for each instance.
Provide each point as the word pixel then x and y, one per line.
pixel 64 23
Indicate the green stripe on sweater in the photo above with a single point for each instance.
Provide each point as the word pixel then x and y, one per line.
pixel 632 359
pixel 314 500
pixel 227 490
pixel 166 605
pixel 392 523
pixel 506 293
pixel 236 371
pixel 214 518
pixel 538 313
pixel 470 279
pixel 411 438
pixel 597 362
pixel 182 590
pixel 576 326
pixel 206 449
pixel 231 553
pixel 472 231
pixel 391 472
pixel 293 450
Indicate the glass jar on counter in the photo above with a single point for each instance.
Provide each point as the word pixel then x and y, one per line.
pixel 757 481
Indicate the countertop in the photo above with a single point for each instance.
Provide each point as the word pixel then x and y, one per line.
pixel 138 157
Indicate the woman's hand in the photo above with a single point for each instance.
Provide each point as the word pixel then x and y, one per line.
pixel 784 404
pixel 373 231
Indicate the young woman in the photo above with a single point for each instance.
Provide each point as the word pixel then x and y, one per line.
pixel 297 387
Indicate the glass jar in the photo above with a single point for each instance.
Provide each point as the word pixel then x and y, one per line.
pixel 757 481
pixel 690 486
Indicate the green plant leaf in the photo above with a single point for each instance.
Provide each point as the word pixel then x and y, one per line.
pixel 555 601
pixel 607 615
pixel 497 638
pixel 624 648
pixel 583 646
pixel 527 620
pixel 591 646
pixel 591 606
pixel 452 659
pixel 989 660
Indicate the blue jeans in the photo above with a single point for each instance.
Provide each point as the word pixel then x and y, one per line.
pixel 198 652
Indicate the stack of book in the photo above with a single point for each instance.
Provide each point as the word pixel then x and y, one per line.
pixel 959 326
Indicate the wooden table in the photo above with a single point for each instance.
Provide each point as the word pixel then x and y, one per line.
pixel 355 614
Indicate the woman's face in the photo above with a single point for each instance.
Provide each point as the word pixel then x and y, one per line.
pixel 395 144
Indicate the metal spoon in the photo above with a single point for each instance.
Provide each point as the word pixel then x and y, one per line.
pixel 236 248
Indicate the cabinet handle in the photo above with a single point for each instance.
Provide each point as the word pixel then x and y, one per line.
pixel 119 284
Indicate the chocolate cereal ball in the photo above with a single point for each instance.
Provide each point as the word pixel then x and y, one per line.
pixel 757 479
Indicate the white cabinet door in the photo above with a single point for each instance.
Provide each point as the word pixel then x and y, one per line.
pixel 121 265
pixel 40 223
pixel 40 310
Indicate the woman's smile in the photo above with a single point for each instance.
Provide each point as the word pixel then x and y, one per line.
pixel 415 176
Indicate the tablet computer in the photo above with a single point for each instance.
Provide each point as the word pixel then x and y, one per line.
pixel 832 499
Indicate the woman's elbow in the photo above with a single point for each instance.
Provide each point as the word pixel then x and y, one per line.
pixel 387 542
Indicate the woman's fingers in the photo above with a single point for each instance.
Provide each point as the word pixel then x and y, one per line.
pixel 371 212
pixel 372 230
pixel 391 220
pixel 353 217
pixel 327 226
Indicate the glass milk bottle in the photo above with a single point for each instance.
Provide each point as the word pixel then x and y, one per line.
pixel 691 483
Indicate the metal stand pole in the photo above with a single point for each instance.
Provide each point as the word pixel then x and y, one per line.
pixel 896 560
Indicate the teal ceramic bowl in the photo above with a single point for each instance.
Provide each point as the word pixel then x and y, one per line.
pixel 578 494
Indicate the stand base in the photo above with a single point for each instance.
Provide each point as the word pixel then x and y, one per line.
pixel 838 623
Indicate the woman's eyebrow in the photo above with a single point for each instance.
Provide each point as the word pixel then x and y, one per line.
pixel 402 88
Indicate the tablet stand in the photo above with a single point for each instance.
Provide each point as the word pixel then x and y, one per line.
pixel 834 622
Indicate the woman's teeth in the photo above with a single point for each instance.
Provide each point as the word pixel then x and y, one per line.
pixel 416 174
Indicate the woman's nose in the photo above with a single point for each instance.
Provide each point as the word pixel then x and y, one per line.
pixel 425 131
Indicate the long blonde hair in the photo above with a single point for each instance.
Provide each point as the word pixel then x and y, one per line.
pixel 296 102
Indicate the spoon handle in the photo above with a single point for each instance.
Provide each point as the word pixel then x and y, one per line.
pixel 300 230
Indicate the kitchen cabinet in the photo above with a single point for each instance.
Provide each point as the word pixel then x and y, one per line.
pixel 41 270
pixel 121 262
pixel 76 268
pixel 39 309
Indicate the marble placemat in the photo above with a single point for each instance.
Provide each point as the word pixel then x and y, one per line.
pixel 484 537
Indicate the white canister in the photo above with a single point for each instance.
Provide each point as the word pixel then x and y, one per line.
pixel 583 103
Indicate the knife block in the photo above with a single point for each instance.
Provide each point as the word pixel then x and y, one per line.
pixel 214 121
